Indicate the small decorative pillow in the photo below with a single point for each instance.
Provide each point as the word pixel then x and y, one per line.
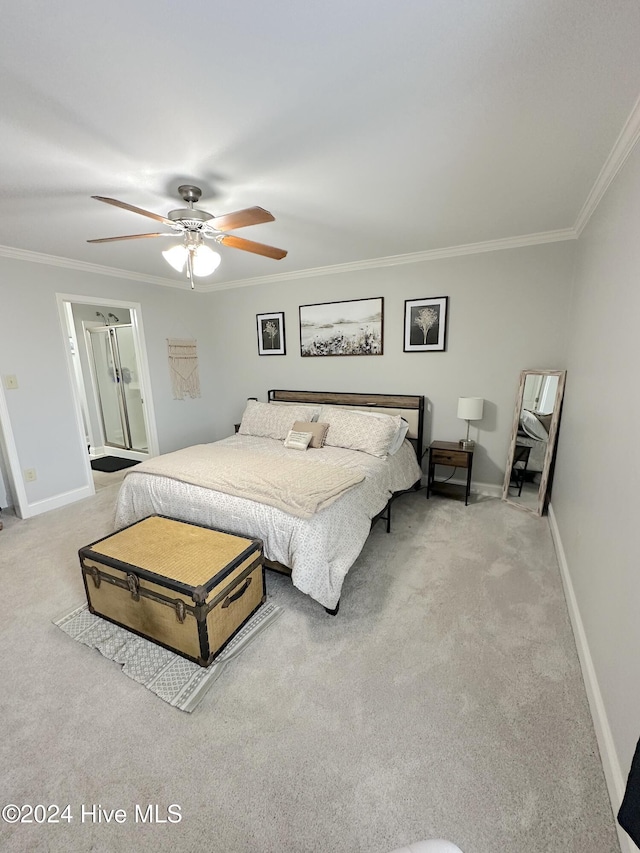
pixel 266 421
pixel 359 431
pixel 297 440
pixel 318 431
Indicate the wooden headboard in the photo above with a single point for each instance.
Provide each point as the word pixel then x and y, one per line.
pixel 408 406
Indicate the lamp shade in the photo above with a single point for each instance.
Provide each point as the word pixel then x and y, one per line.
pixel 470 408
pixel 176 256
pixel 205 260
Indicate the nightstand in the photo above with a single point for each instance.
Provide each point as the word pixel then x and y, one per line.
pixel 449 453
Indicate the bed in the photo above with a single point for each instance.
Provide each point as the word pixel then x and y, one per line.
pixel 317 548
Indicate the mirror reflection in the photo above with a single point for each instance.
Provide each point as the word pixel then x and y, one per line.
pixel 535 426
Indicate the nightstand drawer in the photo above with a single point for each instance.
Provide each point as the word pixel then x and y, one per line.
pixel 450 457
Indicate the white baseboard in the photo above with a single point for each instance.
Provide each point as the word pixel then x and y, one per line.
pixel 57 501
pixel 611 765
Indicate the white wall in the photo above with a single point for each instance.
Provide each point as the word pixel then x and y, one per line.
pixel 507 312
pixel 595 495
pixel 32 346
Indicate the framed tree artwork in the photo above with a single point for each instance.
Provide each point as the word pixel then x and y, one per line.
pixel 271 339
pixel 425 324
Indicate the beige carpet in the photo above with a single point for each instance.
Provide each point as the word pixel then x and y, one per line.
pixel 445 700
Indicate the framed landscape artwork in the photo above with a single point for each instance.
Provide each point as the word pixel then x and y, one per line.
pixel 353 327
pixel 425 324
pixel 271 334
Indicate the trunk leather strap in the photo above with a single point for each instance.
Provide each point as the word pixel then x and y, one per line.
pixel 134 586
pixel 181 610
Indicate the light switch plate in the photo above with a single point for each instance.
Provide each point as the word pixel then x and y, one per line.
pixel 10 382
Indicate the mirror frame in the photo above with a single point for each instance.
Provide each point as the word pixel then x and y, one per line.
pixel 547 467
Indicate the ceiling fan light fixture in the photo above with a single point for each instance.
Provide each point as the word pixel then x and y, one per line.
pixel 205 261
pixel 194 225
pixel 176 256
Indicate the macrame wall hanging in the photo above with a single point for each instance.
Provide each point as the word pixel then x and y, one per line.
pixel 183 367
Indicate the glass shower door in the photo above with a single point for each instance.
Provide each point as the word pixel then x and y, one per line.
pixel 117 380
pixel 130 387
pixel 108 386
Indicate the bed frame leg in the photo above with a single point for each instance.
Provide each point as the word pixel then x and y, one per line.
pixel 333 612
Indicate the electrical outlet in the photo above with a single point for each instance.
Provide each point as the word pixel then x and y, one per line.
pixel 30 475
pixel 10 382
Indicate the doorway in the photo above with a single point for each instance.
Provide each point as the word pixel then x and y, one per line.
pixel 110 379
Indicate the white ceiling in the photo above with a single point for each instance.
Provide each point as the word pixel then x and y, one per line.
pixel 368 128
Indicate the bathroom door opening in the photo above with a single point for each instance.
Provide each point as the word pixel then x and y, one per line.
pixel 117 384
pixel 79 313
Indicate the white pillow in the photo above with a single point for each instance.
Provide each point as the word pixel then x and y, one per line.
pixel 267 421
pixel 401 434
pixel 359 430
pixel 296 440
pixel 532 426
pixel 312 411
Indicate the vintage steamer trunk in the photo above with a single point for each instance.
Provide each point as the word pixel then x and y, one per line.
pixel 187 588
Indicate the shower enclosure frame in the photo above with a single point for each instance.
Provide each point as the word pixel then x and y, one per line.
pixel 110 333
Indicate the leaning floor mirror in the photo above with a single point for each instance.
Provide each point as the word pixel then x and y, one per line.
pixel 527 480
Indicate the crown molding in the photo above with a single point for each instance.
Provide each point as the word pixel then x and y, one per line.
pixel 622 147
pixel 85 266
pixel 334 269
pixel 412 258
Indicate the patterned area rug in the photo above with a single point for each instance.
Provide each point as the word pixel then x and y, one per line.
pixel 178 681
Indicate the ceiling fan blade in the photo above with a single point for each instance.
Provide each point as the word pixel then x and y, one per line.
pixel 241 218
pixel 127 237
pixel 133 209
pixel 250 246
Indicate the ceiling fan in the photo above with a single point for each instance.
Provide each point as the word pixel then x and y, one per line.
pixel 195 226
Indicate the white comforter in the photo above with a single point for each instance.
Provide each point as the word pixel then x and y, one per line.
pixel 319 550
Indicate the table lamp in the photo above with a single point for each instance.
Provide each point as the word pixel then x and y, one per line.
pixel 469 409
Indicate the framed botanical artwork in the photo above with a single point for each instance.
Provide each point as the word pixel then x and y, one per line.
pixel 353 327
pixel 271 334
pixel 425 324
